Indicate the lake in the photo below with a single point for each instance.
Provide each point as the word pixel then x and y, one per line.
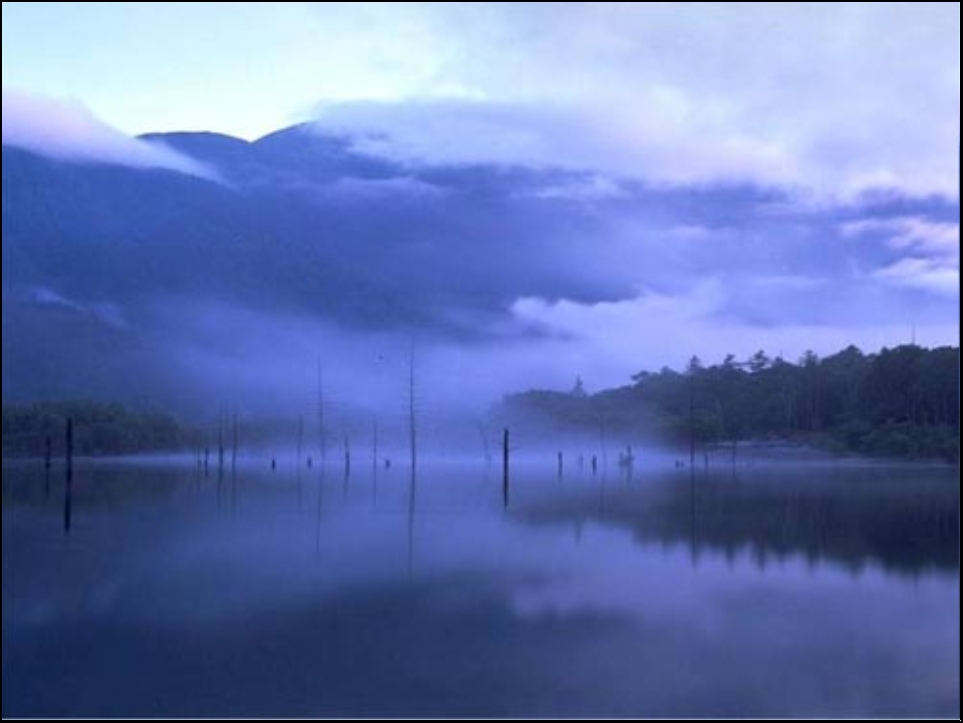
pixel 820 589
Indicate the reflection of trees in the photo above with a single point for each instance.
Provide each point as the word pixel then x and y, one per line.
pixel 101 485
pixel 907 521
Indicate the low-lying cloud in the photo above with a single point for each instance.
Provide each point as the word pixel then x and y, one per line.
pixel 605 342
pixel 66 130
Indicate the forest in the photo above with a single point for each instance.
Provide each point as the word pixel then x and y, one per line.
pixel 99 428
pixel 899 402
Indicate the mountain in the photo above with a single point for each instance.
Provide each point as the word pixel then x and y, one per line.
pixel 125 283
pixel 97 258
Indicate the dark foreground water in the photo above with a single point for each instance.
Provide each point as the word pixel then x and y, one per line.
pixel 787 591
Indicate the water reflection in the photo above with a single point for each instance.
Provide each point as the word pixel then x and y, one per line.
pixel 432 599
pixel 901 518
pixel 317 524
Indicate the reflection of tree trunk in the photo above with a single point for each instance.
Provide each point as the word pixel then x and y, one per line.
pixel 233 444
pixel 347 456
pixel 300 440
pixel 411 526
pixel 321 440
pixel 484 440
pixel 317 525
pixel 220 444
pixel 374 449
pixel 505 467
pixel 68 487
pixel 46 465
pixel 693 528
pixel 602 444
pixel 411 413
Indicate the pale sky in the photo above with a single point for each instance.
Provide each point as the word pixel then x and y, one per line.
pixel 838 97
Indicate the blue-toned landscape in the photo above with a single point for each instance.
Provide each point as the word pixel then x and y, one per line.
pixel 503 360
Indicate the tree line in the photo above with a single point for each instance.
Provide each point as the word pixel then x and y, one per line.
pixel 902 402
pixel 99 428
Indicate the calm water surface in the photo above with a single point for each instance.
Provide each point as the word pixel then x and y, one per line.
pixel 817 590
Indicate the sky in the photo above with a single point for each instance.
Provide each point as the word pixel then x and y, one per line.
pixel 836 97
pixel 847 113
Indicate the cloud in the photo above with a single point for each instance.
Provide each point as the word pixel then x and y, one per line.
pixel 594 187
pixel 103 311
pixel 832 98
pixel 66 130
pixel 929 252
pixel 796 282
pixel 922 273
pixel 837 99
pixel 911 232
pixel 613 339
pixel 458 131
pixel 381 189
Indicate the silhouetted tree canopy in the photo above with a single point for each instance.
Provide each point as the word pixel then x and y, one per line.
pixel 98 429
pixel 898 402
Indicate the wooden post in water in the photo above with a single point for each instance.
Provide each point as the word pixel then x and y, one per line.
pixel 68 489
pixel 559 464
pixel 505 467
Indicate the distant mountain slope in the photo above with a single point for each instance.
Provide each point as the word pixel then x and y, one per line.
pixel 111 273
pixel 298 224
